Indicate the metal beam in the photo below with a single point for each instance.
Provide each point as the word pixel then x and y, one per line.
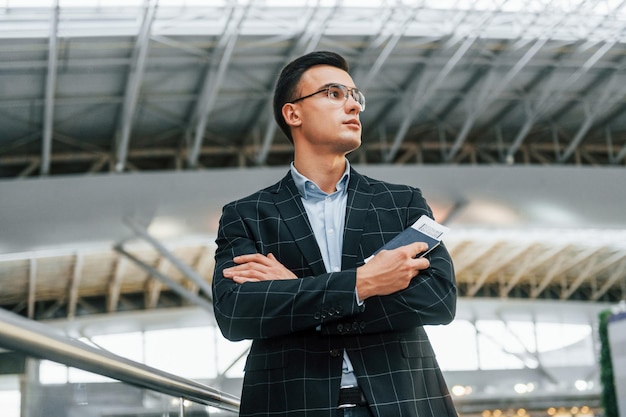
pixel 621 155
pixel 133 85
pixel 532 263
pixel 483 104
pixel 483 101
pixel 482 253
pixel 424 93
pixel 113 291
pixel 51 82
pixel 72 296
pixel 548 96
pixel 173 285
pixel 32 287
pixel 582 131
pixel 561 266
pixel 307 41
pixel 494 267
pixel 593 269
pixel 420 98
pixel 521 357
pixel 583 275
pixel 154 286
pixel 532 355
pixel 547 35
pixel 592 114
pixel 222 375
pixel 32 167
pixel 614 277
pixel 556 268
pixel 220 60
pixel 185 269
pixel 399 30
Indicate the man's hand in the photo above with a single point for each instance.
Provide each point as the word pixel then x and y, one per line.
pixel 390 270
pixel 257 267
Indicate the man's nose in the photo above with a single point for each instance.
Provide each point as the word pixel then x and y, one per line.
pixel 352 104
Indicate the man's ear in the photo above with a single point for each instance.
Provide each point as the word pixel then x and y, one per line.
pixel 291 114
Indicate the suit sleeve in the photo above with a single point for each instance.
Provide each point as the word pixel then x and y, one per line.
pixel 257 310
pixel 430 298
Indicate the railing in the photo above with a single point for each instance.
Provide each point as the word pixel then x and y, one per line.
pixel 39 340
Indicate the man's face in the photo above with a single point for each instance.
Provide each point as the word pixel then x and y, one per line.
pixel 329 126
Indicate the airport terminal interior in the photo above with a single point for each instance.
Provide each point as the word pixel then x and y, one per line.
pixel 126 126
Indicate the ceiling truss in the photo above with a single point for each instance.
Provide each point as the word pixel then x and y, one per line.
pixel 145 274
pixel 164 87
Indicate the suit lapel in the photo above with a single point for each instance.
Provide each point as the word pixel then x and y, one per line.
pixel 289 204
pixel 357 207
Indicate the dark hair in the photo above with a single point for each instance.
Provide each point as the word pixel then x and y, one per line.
pixel 290 78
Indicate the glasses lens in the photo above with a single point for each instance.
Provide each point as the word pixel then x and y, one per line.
pixel 359 98
pixel 338 93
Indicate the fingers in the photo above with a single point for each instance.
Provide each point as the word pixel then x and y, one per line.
pixel 257 267
pixel 242 270
pixel 406 252
pixel 242 280
pixel 416 248
pixel 253 257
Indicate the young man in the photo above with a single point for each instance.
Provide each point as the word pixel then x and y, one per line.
pixel 332 335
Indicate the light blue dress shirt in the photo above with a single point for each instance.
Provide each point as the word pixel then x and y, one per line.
pixel 327 213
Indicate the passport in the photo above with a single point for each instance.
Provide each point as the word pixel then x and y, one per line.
pixel 424 229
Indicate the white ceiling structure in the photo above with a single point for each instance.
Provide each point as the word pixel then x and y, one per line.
pixel 125 126
pixel 99 86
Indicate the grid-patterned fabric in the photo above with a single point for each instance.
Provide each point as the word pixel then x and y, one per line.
pixel 300 327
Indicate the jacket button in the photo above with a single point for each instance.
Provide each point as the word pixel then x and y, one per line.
pixel 335 353
pixel 340 327
pixel 317 315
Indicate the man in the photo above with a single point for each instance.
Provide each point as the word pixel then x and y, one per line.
pixel 332 335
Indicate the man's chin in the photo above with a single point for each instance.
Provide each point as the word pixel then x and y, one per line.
pixel 350 144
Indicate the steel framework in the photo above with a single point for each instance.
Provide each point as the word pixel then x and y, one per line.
pixel 144 85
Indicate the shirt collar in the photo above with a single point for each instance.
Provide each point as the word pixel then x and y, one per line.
pixel 308 188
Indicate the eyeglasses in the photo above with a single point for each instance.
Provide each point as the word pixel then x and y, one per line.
pixel 338 94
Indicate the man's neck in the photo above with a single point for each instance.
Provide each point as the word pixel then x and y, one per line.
pixel 325 172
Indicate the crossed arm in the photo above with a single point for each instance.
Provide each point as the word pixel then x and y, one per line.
pixel 388 272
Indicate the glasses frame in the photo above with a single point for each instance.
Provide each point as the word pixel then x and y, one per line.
pixel 353 92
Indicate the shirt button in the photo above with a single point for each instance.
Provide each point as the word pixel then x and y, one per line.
pixel 335 269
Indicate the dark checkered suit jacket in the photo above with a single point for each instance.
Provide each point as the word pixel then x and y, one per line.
pixel 300 327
